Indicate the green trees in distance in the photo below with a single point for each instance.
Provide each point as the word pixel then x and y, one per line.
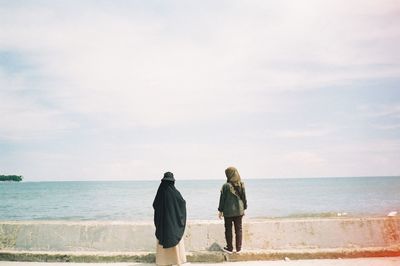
pixel 16 178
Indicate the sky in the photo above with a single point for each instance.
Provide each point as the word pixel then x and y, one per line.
pixel 126 90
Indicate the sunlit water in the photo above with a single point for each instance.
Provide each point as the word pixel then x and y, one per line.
pixel 132 200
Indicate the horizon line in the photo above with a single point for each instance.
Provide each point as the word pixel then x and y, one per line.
pixel 210 179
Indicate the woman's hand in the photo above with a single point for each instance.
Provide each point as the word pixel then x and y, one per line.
pixel 220 215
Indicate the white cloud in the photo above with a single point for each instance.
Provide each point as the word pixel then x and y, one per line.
pixel 381 110
pixel 119 68
pixel 388 127
pixel 308 133
pixel 304 158
pixel 22 118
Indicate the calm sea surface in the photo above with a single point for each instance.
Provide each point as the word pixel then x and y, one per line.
pixel 132 200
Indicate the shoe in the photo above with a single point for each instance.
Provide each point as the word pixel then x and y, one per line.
pixel 225 249
pixel 238 251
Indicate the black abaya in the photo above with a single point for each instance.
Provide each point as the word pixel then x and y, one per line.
pixel 169 214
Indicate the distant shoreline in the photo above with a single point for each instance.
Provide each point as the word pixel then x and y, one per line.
pixel 11 178
pixel 215 179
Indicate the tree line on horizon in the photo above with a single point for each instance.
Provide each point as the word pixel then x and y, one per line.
pixel 16 178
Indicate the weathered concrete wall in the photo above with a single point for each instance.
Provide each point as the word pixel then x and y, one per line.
pixel 323 233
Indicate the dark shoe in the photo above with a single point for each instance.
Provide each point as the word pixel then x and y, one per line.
pixel 229 251
pixel 238 251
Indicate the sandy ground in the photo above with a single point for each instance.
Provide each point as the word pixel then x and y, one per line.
pixel 394 261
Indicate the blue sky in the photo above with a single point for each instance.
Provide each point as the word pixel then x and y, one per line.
pixel 125 90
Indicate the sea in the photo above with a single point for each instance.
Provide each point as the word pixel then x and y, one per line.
pixel 132 200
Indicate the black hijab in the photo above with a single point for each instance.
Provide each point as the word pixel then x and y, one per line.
pixel 169 213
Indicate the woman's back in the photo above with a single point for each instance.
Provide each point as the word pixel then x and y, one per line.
pixel 233 200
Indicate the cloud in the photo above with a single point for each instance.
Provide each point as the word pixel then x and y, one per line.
pixel 303 158
pixel 388 127
pixel 128 69
pixel 188 78
pixel 303 133
pixel 22 117
pixel 387 110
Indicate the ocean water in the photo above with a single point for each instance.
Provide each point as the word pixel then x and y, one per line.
pixel 132 200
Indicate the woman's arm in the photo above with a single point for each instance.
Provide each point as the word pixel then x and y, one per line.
pixel 244 198
pixel 222 200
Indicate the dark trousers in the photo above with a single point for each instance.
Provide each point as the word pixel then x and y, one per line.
pixel 237 221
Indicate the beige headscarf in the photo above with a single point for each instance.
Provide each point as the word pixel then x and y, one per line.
pixel 233 176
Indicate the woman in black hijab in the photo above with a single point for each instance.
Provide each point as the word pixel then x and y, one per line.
pixel 170 221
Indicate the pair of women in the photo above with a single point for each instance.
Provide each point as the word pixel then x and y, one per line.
pixel 170 216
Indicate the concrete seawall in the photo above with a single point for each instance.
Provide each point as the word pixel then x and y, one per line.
pixel 274 238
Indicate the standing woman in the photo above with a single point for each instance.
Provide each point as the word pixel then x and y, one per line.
pixel 232 204
pixel 170 221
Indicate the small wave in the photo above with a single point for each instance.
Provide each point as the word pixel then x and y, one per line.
pixel 315 215
pixel 309 215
